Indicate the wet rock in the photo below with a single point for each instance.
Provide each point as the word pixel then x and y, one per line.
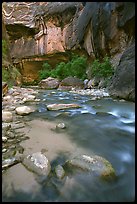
pixel 71 82
pixel 60 173
pixel 7 98
pixel 38 163
pixel 4 139
pixel 49 83
pixel 24 110
pixel 62 106
pixel 17 126
pixel 29 98
pixel 11 108
pixel 10 134
pixel 94 164
pixel 61 126
pixel 6 126
pixel 86 83
pixel 9 162
pixel 7 116
pixel 93 92
pixel 4 150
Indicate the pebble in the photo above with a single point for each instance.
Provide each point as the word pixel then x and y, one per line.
pixel 4 139
pixel 61 125
pixel 4 150
pixel 60 173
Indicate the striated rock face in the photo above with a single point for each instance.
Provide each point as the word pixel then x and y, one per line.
pixel 44 31
pixel 106 27
pixel 37 29
pixel 126 70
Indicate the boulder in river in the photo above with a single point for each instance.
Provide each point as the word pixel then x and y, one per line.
pixel 62 106
pixel 24 110
pixel 94 164
pixel 37 163
pixel 49 83
pixel 71 82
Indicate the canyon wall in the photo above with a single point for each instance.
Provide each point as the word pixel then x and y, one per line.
pixel 47 31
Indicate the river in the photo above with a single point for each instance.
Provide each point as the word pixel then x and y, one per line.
pixel 105 127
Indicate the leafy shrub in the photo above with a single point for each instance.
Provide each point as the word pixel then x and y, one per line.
pixel 45 72
pixel 76 67
pixel 102 69
pixel 4 48
pixel 5 75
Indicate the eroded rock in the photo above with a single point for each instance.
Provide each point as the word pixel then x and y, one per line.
pixel 60 173
pixel 62 106
pixel 49 83
pixel 24 110
pixel 38 163
pixel 71 82
pixel 94 164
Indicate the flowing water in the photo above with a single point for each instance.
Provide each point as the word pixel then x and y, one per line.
pixel 104 127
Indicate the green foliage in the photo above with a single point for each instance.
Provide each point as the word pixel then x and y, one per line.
pixel 102 69
pixel 45 72
pixel 5 75
pixel 10 75
pixel 76 67
pixel 4 48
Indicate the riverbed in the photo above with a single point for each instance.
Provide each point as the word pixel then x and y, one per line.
pixel 102 126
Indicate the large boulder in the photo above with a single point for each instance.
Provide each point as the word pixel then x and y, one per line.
pixel 38 163
pixel 94 164
pixel 24 110
pixel 71 82
pixel 49 83
pixel 123 81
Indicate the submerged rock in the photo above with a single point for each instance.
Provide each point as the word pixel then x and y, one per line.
pixel 62 106
pixel 60 173
pixel 94 164
pixel 61 126
pixel 38 163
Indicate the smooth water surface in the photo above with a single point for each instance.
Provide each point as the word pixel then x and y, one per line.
pixel 104 127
